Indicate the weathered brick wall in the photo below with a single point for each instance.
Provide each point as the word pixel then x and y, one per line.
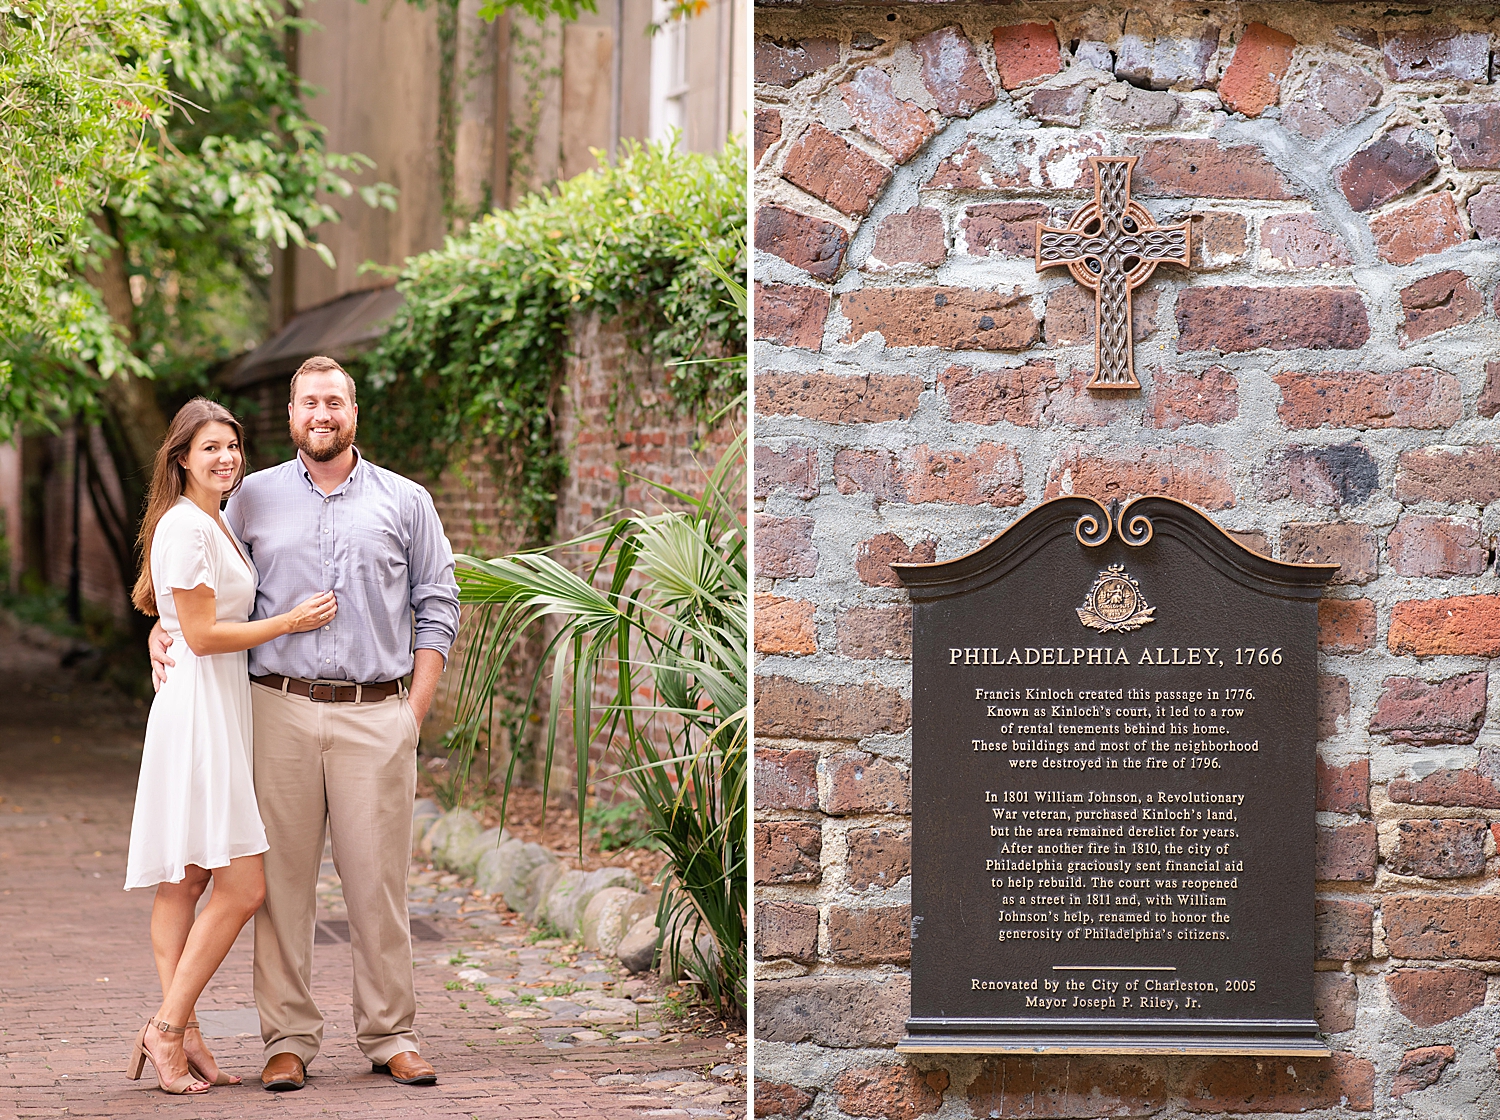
pixel 1324 382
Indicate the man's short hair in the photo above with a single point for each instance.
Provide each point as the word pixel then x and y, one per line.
pixel 321 365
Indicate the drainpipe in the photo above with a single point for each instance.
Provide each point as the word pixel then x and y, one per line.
pixel 617 81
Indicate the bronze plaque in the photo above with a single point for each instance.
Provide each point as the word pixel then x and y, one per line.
pixel 1114 723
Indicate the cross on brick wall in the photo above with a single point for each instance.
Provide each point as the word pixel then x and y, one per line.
pixel 1112 245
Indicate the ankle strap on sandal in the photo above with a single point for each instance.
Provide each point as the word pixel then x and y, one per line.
pixel 166 1027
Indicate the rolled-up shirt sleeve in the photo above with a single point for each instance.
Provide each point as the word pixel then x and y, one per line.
pixel 434 591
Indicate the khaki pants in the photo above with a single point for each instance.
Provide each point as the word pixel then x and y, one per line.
pixel 354 767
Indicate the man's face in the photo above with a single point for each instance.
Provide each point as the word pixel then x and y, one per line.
pixel 323 418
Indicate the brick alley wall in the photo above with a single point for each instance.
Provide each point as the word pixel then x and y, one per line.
pixel 1324 382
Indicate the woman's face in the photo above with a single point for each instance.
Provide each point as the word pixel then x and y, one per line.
pixel 213 459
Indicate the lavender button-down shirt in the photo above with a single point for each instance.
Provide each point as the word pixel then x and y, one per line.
pixel 376 542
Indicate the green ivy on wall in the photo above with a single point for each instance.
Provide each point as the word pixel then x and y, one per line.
pixel 474 355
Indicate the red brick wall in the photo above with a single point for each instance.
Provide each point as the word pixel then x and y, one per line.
pixel 1324 382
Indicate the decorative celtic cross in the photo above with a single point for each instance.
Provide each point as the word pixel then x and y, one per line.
pixel 1112 246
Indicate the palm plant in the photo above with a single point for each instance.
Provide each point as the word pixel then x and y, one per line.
pixel 664 602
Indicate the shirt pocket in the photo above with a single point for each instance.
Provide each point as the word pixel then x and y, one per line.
pixel 377 556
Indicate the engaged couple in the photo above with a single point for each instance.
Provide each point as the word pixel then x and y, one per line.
pixel 286 625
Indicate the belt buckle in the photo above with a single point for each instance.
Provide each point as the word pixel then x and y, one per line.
pixel 314 686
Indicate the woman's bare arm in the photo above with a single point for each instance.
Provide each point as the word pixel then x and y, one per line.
pixel 206 635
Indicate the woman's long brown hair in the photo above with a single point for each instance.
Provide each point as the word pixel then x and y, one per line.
pixel 169 479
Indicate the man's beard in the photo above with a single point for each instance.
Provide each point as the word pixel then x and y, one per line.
pixel 343 439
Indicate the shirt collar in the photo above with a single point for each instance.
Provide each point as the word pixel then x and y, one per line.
pixel 302 466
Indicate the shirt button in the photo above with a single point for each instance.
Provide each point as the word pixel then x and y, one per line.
pixel 325 628
pixel 327 661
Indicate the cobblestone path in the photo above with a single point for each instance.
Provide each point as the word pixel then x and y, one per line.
pixel 515 1028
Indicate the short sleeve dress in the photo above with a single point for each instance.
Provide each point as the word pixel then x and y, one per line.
pixel 195 803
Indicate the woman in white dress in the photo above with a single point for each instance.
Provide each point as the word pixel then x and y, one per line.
pixel 196 818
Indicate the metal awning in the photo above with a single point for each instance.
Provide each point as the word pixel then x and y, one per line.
pixel 340 328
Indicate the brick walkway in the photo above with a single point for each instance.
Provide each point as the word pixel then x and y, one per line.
pixel 546 1037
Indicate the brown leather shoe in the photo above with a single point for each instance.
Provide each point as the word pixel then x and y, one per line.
pixel 283 1073
pixel 409 1068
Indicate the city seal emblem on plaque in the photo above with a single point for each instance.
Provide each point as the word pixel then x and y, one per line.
pixel 1115 603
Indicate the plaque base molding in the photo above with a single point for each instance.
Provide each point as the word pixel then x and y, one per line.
pixel 1238 1038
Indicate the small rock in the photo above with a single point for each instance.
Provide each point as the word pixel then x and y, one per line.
pixel 637 949
pixel 586 1036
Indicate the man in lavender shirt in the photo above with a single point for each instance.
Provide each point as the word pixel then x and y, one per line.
pixel 335 728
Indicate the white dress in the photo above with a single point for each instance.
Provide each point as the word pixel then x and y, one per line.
pixel 195 803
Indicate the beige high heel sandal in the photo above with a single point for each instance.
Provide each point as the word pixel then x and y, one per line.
pixel 142 1054
pixel 223 1078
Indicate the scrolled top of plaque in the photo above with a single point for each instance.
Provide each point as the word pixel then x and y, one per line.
pixel 1136 524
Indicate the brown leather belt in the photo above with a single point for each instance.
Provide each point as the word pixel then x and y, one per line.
pixel 327 692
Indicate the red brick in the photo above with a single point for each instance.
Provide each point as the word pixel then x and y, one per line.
pixel 1442 927
pixel 791 709
pixel 1418 229
pixel 1449 474
pixel 1343 789
pixel 874 557
pixel 1019 161
pixel 1420 1068
pixel 1219 239
pixel 1235 319
pixel 784 63
pixel 1025 52
pixel 1436 303
pixel 1442 849
pixel 829 167
pixel 1410 398
pixel 784 548
pixel 1333 97
pixel 788 852
pixel 1253 539
pixel 1484 212
pixel 1016 396
pixel 1235 1085
pixel 868 633
pixel 794 470
pixel 1335 999
pixel 767 131
pixel 1345 625
pixel 952 72
pixel 989 475
pixel 1071 404
pixel 1343 929
pixel 1002 229
pixel 1451 789
pixel 1189 474
pixel 1069 1086
pixel 896 1092
pixel 1342 474
pixel 1387 168
pixel 1300 241
pixel 863 783
pixel 785 625
pixel 1180 396
pixel 773 1098
pixel 790 315
pixel 869 935
pixel 835 398
pixel 1420 545
pixel 831 1010
pixel 1467 625
pixel 1183 168
pixel 953 318
pixel 1429 996
pixel 1333 703
pixel 1428 54
pixel 1071 312
pixel 808 243
pixel 785 779
pixel 1476 136
pixel 786 929
pixel 1350 545
pixel 1346 853
pixel 1123 106
pixel 1167 56
pixel 1489 397
pixel 1252 81
pixel 878 857
pixel 867 472
pixel 913 237
pixel 1059 106
pixel 898 126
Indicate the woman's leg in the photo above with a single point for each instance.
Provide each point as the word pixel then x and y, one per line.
pixel 238 892
pixel 172 918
